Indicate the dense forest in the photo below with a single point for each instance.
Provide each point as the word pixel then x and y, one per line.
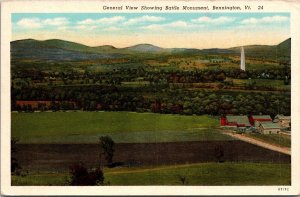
pixel 184 92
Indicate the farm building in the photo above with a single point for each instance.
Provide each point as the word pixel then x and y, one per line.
pixel 256 119
pixel 284 121
pixel 269 128
pixel 235 121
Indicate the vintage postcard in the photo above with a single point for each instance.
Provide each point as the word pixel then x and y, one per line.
pixel 150 98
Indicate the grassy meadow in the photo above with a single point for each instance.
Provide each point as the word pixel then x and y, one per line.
pixel 276 139
pixel 196 174
pixel 128 127
pixel 263 83
pixel 123 127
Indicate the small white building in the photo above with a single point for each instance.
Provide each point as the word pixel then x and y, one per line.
pixel 269 128
pixel 257 123
pixel 284 121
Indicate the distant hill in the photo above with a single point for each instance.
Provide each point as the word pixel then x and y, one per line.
pixel 284 49
pixel 218 51
pixel 60 50
pixel 104 48
pixel 144 48
pixel 280 52
pixel 57 50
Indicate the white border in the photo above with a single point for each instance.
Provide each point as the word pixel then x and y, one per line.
pixel 8 7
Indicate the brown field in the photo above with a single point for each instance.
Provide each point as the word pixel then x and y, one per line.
pixel 58 157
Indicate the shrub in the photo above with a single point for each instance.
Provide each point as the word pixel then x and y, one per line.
pixel 82 177
pixel 107 146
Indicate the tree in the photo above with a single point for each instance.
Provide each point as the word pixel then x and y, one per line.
pixel 183 179
pixel 219 153
pixel 15 167
pixel 82 177
pixel 107 146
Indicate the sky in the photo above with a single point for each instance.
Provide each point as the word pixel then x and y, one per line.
pixel 168 30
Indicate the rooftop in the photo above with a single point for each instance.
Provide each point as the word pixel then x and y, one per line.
pixel 282 117
pixel 261 117
pixel 239 120
pixel 270 125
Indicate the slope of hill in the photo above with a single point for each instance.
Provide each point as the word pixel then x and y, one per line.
pixel 144 48
pixel 284 49
pixel 104 48
pixel 64 50
pixel 56 50
pixel 280 52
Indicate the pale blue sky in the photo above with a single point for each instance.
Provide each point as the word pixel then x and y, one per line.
pixel 197 30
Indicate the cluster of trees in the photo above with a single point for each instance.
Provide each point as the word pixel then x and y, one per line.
pixel 159 99
pixel 220 103
pixel 82 176
pixel 154 76
pixel 167 91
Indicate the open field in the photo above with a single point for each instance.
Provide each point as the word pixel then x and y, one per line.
pixel 123 127
pixel 196 174
pixel 135 83
pixel 271 142
pixel 263 83
pixel 275 139
pixel 58 157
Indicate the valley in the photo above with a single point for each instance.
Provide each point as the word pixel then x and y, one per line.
pixel 160 106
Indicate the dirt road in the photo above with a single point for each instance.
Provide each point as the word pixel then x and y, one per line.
pixel 250 140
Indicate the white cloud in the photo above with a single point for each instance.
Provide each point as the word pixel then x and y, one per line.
pixel 175 24
pixel 250 21
pixel 275 19
pixel 56 21
pixel 80 27
pixel 219 20
pixel 31 23
pixel 114 19
pixel 143 19
pixel 153 27
pixel 34 23
pixel 110 20
pixel 178 24
pixel 86 22
pixel 267 19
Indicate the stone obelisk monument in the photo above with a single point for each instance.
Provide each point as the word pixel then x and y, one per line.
pixel 243 66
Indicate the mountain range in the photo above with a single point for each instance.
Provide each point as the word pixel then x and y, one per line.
pixel 61 50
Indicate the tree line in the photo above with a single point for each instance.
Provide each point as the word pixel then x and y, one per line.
pixel 151 74
pixel 158 99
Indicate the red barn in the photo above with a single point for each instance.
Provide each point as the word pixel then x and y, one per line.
pixel 235 121
pixel 223 121
pixel 260 118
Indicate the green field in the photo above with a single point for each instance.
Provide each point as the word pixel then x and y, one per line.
pixel 195 174
pixel 125 127
pixel 263 83
pixel 135 83
pixel 276 139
